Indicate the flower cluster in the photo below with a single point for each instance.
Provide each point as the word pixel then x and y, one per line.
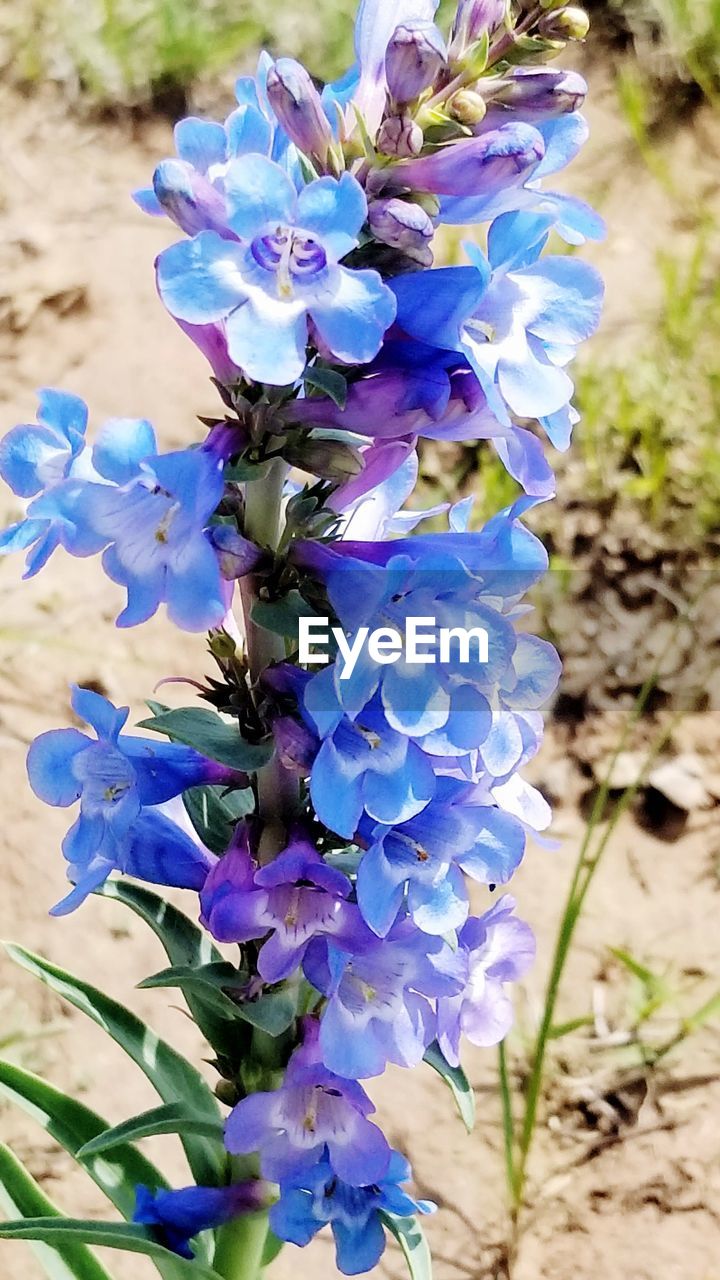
pixel 344 819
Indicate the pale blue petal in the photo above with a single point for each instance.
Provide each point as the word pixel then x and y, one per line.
pixel 334 210
pixel 65 413
pixel 336 791
pixel 121 444
pixel 396 797
pixel 267 338
pixel 498 850
pixel 158 851
pixel 567 299
pixel 200 280
pixel 193 589
pixel 19 536
pixel 49 766
pixel 106 720
pixel 201 143
pixel 379 891
pixel 538 669
pixel 521 453
pixel 96 874
pixel 353 319
pixel 259 193
pixel 563 137
pixel 559 426
pixel 146 200
pixel 532 387
pixel 31 457
pixel 441 907
pixel 248 130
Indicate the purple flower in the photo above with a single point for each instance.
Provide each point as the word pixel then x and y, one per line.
pixel 314 1115
pixel 119 780
pixel 414 57
pixel 176 1216
pixel 404 226
pixel 497 160
pixel 298 106
pixel 375 24
pixel 497 948
pixel 379 1000
pixel 281 274
pixel 295 898
pixel 319 1198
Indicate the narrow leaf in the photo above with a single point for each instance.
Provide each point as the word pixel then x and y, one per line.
pixel 282 616
pixel 214 811
pixel 184 944
pixel 72 1232
pixel 173 1117
pixel 410 1237
pixel 20 1194
pixel 457 1082
pixel 273 1013
pixel 202 729
pixel 172 1076
pixel 74 1127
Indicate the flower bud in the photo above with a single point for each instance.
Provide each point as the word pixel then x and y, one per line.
pixel 328 459
pixel 565 24
pixel 295 745
pixel 539 93
pixel 415 55
pixel 298 106
pixel 467 108
pixel 188 198
pixel 237 556
pixel 400 136
pixel 475 18
pixel 404 226
pixel 503 157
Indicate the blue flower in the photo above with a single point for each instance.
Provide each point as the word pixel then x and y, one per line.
pixel 355 1214
pixel 499 949
pixel 419 863
pixel 516 320
pixel 119 779
pixel 314 1115
pixel 379 998
pixel 153 518
pixel 191 188
pixel 48 461
pixel 281 274
pixel 363 765
pixel 177 1216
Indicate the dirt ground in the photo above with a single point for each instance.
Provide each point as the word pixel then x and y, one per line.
pixel 625 1180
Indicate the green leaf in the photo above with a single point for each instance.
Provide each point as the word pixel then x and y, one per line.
pixel 244 470
pixel 214 811
pixel 410 1237
pixel 184 944
pixel 282 616
pixel 172 1076
pixel 272 1248
pixel 202 729
pixel 329 381
pixel 173 1117
pixel 273 1012
pixel 20 1194
pixel 68 1233
pixel 74 1127
pixel 566 1028
pixel 457 1082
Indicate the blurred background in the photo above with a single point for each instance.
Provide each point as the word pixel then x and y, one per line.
pixel 623 1163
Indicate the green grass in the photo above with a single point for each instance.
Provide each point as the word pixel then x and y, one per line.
pixel 675 37
pixel 121 52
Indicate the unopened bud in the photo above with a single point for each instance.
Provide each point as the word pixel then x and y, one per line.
pixel 298 106
pixel 404 226
pixel 415 55
pixel 188 198
pixel 400 136
pixel 237 556
pixel 551 4
pixel 565 24
pixel 467 107
pixel 539 92
pixel 476 18
pixel 296 747
pixel 328 459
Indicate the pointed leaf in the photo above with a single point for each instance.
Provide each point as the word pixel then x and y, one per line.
pixel 173 1077
pixel 410 1237
pixel 74 1126
pixel 214 811
pixel 173 1117
pixel 329 381
pixel 184 943
pixel 20 1194
pixel 202 729
pixel 273 1012
pixel 71 1232
pixel 282 616
pixel 457 1082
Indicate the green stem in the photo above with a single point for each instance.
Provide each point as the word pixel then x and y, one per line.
pixel 277 789
pixel 240 1246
